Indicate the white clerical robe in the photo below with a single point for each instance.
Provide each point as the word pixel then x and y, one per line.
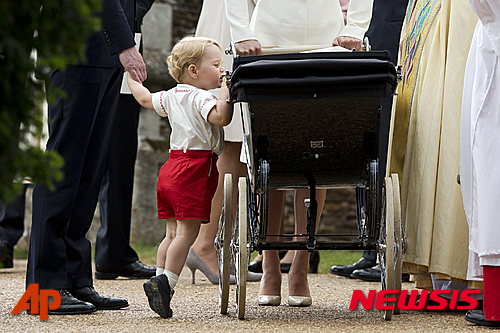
pixel 297 22
pixel 480 139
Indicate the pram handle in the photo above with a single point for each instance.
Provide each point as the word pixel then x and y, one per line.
pixel 300 48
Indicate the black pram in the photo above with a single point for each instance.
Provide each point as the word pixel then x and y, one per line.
pixel 312 121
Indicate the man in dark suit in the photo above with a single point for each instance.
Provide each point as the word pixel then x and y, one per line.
pixel 383 33
pixel 60 255
pixel 113 254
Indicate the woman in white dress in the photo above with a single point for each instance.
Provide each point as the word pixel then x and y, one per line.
pixel 480 158
pixel 294 22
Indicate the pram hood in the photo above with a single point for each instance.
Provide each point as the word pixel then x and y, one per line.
pixel 313 75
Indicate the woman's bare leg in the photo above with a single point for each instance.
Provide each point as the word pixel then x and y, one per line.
pixel 298 285
pixel 229 162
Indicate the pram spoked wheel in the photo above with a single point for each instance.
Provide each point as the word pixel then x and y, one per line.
pixel 223 242
pixel 386 240
pixel 239 248
pixel 232 246
pixel 390 240
pixel 398 235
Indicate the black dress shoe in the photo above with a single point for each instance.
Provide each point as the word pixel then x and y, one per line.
pixel 71 305
pixel 88 294
pixel 255 267
pixel 373 274
pixel 135 270
pixel 346 270
pixel 159 295
pixel 477 317
pixel 6 254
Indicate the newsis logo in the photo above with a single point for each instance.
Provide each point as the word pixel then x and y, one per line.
pixel 381 299
pixel 42 300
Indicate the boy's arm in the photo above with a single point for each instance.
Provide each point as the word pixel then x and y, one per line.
pixel 141 93
pixel 222 113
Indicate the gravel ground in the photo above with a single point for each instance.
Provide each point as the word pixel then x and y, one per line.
pixel 195 309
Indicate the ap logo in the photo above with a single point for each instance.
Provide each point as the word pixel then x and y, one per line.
pixel 39 301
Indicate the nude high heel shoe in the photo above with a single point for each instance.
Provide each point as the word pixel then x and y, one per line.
pixel 193 262
pixel 269 300
pixel 299 300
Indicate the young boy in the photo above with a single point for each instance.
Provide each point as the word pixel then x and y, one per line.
pixel 188 180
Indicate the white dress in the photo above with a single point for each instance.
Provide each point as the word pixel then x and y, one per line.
pixel 480 139
pixel 297 22
pixel 212 23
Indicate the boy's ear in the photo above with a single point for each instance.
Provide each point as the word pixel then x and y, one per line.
pixel 193 71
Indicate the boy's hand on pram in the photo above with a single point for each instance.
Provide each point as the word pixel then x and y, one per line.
pixel 248 47
pixel 348 42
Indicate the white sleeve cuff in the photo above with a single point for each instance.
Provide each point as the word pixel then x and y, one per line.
pixel 159 103
pixel 207 107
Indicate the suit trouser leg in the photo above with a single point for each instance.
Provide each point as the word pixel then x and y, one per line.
pixel 59 255
pixel 115 198
pixel 12 218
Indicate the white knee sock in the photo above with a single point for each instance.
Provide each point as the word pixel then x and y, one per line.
pixel 172 278
pixel 159 271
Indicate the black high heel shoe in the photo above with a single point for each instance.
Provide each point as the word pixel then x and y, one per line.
pixel 314 262
pixel 285 267
pixel 255 267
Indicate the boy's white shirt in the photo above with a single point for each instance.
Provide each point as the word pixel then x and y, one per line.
pixel 187 108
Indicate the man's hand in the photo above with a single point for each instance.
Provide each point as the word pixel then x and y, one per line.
pixel 347 42
pixel 248 47
pixel 132 61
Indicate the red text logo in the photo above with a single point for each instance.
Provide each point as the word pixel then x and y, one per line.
pixel 384 298
pixel 39 301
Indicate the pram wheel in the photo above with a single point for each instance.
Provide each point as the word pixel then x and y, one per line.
pixel 223 242
pixel 239 248
pixel 386 245
pixel 398 232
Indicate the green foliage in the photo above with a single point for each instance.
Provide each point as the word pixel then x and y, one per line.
pixel 58 31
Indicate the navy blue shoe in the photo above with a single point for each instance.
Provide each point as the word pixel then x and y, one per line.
pixel 159 295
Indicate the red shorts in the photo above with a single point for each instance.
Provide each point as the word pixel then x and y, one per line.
pixel 187 184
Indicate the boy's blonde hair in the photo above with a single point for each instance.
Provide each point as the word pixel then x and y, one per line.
pixel 187 51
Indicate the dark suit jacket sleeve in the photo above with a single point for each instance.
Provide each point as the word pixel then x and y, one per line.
pixel 116 28
pixel 143 7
